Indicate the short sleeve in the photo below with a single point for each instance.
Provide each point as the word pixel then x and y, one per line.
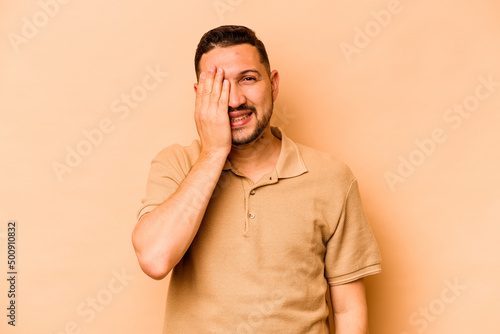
pixel 352 251
pixel 165 175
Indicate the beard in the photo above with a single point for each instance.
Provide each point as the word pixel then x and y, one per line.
pixel 259 127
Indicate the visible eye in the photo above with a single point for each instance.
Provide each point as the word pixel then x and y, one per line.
pixel 248 79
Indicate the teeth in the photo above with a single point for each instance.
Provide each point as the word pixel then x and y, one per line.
pixel 239 118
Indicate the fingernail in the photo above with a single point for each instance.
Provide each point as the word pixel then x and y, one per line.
pixel 219 71
pixel 211 68
pixel 203 75
pixel 225 83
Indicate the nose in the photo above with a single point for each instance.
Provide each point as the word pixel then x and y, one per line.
pixel 236 96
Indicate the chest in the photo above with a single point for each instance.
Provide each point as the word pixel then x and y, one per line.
pixel 282 221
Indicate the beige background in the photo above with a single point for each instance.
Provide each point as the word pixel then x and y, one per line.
pixel 379 100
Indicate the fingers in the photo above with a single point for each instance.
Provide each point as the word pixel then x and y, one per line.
pixel 217 86
pixel 210 87
pixel 201 84
pixel 224 98
pixel 206 90
pixel 211 112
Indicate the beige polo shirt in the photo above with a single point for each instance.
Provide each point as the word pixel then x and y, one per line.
pixel 265 252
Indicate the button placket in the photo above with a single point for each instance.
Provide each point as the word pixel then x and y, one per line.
pixel 251 214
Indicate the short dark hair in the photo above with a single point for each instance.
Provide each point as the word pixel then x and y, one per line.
pixel 229 35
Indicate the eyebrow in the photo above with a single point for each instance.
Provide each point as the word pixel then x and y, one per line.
pixel 248 71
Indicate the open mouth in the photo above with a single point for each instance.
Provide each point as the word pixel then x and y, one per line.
pixel 236 119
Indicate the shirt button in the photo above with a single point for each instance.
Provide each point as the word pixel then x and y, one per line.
pixel 252 192
pixel 251 215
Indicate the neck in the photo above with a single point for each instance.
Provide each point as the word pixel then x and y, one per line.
pixel 258 157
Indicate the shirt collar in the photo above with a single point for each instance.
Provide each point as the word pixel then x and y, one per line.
pixel 290 162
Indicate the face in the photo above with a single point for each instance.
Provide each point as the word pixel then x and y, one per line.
pixel 252 90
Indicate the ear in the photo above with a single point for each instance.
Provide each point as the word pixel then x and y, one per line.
pixel 195 86
pixel 275 83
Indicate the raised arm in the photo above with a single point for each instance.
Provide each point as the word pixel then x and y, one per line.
pixel 162 236
pixel 350 312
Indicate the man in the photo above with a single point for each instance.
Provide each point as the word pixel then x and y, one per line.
pixel 253 225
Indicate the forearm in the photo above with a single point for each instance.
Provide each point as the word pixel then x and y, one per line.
pixel 352 322
pixel 162 236
pixel 350 310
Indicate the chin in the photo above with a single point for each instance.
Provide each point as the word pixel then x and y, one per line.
pixel 250 132
pixel 242 137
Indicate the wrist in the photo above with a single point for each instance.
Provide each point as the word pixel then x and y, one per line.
pixel 214 157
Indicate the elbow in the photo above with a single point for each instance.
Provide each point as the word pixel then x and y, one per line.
pixel 153 264
pixel 154 271
pixel 156 267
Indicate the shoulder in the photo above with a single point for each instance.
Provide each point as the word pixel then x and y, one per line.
pixel 179 156
pixel 326 166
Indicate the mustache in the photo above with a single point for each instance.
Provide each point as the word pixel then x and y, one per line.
pixel 242 107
